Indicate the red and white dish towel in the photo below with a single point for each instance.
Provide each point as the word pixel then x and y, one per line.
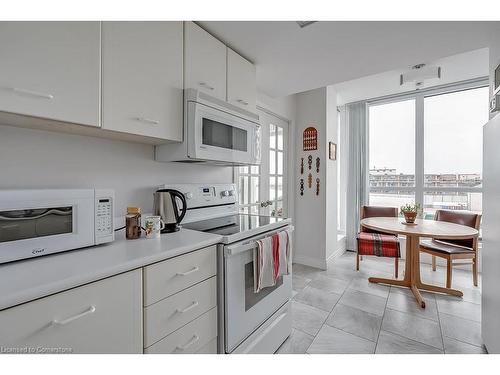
pixel 272 259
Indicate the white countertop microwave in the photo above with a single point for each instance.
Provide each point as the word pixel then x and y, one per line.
pixel 215 132
pixel 46 221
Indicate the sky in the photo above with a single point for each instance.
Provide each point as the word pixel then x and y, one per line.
pixel 452 133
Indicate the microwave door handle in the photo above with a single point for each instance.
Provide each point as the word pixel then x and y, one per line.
pixel 256 144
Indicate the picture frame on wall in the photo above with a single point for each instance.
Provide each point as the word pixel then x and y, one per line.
pixel 332 151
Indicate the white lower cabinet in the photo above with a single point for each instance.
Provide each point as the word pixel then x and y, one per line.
pixel 180 304
pixel 112 316
pixel 168 315
pixel 198 336
pixel 101 317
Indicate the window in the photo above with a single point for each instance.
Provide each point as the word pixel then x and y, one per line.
pixel 392 133
pixel 427 148
pixel 453 156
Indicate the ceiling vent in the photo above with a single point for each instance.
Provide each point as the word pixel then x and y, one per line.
pixel 420 73
pixel 303 24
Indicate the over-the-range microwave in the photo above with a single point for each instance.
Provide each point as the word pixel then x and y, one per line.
pixel 215 132
pixel 46 221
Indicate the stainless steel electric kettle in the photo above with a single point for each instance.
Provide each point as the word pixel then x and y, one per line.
pixel 166 205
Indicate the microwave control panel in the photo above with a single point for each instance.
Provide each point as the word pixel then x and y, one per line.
pixel 104 229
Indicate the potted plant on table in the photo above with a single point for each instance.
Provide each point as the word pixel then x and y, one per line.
pixel 410 211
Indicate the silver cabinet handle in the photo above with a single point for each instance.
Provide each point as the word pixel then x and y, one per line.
pixel 206 86
pixel 190 307
pixel 194 269
pixel 89 311
pixel 33 93
pixel 193 340
pixel 241 101
pixel 147 120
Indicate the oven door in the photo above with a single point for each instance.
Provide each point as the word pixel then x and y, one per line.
pixel 40 222
pixel 245 310
pixel 220 136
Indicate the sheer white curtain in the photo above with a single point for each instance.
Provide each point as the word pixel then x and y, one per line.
pixel 357 176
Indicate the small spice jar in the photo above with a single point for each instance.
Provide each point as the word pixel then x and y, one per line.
pixel 133 223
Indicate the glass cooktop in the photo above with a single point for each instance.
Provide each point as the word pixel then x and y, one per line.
pixel 234 224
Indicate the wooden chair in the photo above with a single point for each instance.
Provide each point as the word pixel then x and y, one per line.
pixel 454 249
pixel 388 238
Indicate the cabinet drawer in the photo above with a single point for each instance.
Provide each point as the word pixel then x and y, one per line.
pixel 210 348
pixel 171 276
pixel 169 314
pixel 191 338
pixel 101 317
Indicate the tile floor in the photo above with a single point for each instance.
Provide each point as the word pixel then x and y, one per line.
pixel 339 311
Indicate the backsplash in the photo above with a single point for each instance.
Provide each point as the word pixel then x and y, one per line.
pixel 41 159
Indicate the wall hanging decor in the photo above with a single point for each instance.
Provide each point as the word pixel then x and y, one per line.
pixel 310 180
pixel 317 164
pixel 317 186
pixel 310 161
pixel 301 165
pixel 310 139
pixel 301 186
pixel 332 150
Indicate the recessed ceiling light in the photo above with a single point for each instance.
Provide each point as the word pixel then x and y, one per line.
pixel 303 24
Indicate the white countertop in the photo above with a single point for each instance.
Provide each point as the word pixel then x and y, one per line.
pixel 30 279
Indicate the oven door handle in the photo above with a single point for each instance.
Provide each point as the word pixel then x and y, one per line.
pixel 246 246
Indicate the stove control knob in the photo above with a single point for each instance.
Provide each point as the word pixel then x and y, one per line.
pixel 231 193
pixel 188 195
pixel 224 193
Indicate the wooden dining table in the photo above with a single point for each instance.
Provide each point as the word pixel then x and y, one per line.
pixel 421 228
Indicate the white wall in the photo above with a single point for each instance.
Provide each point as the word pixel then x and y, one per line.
pixel 330 189
pixel 315 215
pixel 41 159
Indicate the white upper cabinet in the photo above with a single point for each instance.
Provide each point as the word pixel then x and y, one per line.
pixel 241 81
pixel 142 78
pixel 51 70
pixel 204 61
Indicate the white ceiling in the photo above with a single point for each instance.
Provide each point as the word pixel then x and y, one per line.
pixel 290 59
pixel 456 68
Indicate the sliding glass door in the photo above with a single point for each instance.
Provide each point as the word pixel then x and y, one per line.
pixel 427 148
